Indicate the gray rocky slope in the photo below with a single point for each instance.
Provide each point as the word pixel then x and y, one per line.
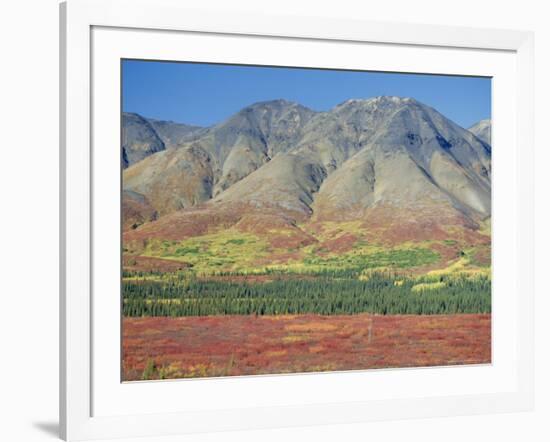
pixel 142 136
pixel 363 154
pixel 482 130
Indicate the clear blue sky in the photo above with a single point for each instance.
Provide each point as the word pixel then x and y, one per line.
pixel 205 94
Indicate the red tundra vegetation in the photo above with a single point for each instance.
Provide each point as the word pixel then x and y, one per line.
pixel 206 346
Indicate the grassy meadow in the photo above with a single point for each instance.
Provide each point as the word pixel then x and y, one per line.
pixel 234 303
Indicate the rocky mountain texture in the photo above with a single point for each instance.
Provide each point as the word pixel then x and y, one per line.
pixel 173 134
pixel 139 139
pixel 142 137
pixel 225 153
pixel 173 179
pixel 393 163
pixel 482 130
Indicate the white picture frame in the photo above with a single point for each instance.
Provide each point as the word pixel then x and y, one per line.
pixel 84 388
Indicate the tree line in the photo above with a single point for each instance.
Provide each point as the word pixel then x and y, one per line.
pixel 380 294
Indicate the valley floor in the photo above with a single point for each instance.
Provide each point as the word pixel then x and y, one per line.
pixel 232 345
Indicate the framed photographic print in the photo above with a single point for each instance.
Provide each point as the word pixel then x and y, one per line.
pixel 286 221
pixel 283 239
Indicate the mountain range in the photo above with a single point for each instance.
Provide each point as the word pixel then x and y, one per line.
pixel 398 167
pixel 482 130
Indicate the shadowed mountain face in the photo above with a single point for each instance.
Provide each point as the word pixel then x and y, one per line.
pixel 139 139
pixel 173 134
pixel 482 130
pixel 388 162
pixel 142 137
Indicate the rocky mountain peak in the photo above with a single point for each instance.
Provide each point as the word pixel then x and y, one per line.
pixel 376 102
pixel 482 130
pixel 364 153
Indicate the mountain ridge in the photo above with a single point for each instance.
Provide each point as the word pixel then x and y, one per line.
pixel 482 130
pixel 362 159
